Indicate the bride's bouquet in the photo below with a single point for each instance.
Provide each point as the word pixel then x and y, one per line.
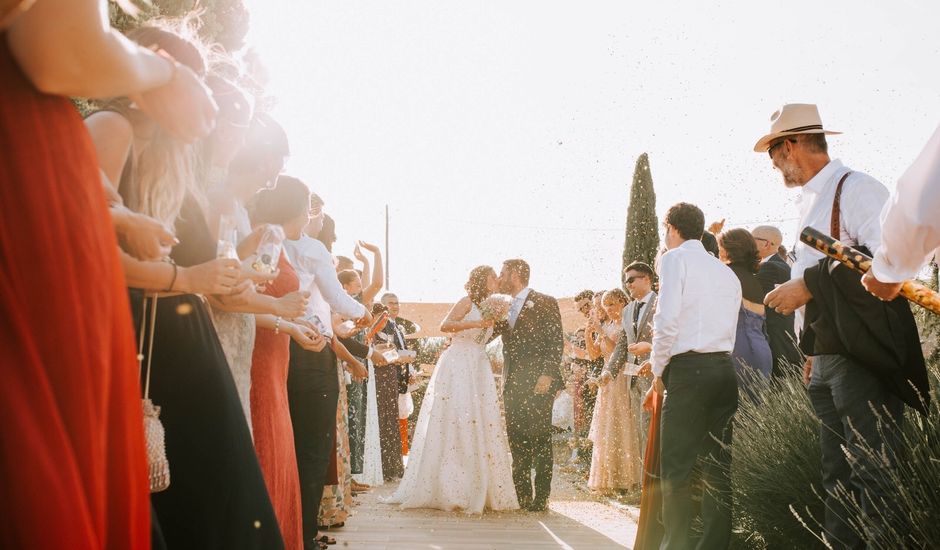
pixel 496 308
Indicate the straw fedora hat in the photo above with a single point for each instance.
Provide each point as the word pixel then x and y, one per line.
pixel 790 120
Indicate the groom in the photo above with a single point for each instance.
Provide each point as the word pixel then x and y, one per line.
pixel 533 342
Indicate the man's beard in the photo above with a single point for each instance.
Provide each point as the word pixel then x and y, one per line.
pixel 792 176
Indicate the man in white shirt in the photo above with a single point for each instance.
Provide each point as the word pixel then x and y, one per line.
pixel 844 393
pixel 910 225
pixel 312 382
pixel 693 336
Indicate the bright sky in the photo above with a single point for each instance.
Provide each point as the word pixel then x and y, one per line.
pixel 510 129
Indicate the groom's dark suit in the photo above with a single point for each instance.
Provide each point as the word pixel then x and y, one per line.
pixel 531 348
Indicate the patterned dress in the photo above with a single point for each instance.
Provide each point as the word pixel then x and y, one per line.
pixel 336 504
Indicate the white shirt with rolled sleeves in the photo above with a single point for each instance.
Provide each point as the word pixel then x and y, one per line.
pixel 863 198
pixel 699 300
pixel 314 266
pixel 910 221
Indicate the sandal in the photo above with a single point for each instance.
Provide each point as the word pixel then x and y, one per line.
pixel 325 539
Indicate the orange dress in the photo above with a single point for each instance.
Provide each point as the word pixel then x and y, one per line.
pixel 270 416
pixel 72 463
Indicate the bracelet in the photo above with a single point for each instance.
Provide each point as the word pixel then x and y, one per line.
pixel 173 280
pixel 277 325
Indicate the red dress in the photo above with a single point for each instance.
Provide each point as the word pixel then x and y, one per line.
pixel 270 416
pixel 73 468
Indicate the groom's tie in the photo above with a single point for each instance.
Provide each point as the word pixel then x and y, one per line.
pixel 514 310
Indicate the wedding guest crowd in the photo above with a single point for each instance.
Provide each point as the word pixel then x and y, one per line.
pixel 190 271
pixel 232 301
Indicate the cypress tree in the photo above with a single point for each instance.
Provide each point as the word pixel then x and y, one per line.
pixel 642 235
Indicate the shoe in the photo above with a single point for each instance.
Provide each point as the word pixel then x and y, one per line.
pixel 538 506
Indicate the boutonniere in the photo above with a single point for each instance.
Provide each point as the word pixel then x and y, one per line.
pixel 529 304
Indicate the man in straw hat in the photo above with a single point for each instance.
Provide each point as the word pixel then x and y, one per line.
pixel 844 392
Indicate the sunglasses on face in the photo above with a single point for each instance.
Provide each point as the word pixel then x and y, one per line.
pixel 770 151
pixel 635 277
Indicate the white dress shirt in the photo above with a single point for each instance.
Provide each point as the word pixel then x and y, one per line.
pixel 515 308
pixel 863 197
pixel 910 221
pixel 699 300
pixel 314 266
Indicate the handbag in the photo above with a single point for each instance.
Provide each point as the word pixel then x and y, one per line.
pixel 159 466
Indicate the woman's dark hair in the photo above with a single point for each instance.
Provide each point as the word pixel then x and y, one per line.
pixel 347 276
pixel 327 234
pixel 688 220
pixel 584 295
pixel 285 201
pixel 476 285
pixel 616 294
pixel 740 248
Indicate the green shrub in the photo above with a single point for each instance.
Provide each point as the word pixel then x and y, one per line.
pixel 777 482
pixel 775 463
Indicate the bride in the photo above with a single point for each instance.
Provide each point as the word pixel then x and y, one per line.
pixel 459 459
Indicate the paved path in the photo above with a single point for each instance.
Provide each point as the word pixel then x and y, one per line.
pixel 576 520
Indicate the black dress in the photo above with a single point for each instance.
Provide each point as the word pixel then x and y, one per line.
pixel 217 497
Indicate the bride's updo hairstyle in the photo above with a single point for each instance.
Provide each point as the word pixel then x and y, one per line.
pixel 476 287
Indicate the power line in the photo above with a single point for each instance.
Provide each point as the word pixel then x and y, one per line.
pixel 593 229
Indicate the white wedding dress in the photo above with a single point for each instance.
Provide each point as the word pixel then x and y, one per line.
pixel 459 458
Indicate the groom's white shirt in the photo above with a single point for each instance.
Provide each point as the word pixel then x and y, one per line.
pixel 516 307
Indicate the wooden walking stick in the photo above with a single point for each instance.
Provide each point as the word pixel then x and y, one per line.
pixel 852 258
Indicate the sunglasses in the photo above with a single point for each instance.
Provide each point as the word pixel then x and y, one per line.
pixel 770 151
pixel 585 307
pixel 635 277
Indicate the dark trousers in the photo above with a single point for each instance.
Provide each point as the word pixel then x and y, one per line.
pixel 356 394
pixel 312 394
pixel 843 395
pixel 528 427
pixel 701 399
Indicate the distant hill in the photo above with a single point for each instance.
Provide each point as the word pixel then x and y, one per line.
pixel 430 315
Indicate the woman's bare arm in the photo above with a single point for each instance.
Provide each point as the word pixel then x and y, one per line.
pixel 68 48
pixel 454 321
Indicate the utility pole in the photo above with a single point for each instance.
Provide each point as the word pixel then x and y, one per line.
pixel 388 253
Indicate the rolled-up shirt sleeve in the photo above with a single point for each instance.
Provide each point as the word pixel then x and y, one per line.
pixel 666 319
pixel 910 221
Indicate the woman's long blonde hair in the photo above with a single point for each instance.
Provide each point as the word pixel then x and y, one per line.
pixel 165 169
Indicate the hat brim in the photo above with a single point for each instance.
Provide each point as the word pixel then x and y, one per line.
pixel 764 143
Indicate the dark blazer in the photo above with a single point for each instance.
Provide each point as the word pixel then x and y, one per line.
pixel 844 319
pixel 780 333
pixel 534 347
